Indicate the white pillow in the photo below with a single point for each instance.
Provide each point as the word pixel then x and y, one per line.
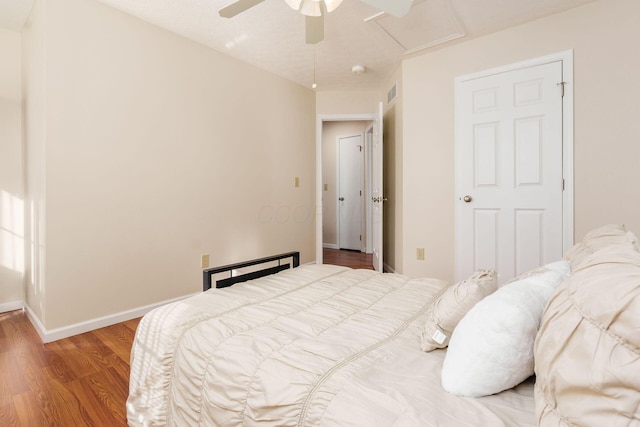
pixel 491 349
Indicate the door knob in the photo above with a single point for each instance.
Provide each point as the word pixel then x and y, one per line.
pixel 341 199
pixel 467 198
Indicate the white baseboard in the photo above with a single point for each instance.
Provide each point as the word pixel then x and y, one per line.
pixel 90 325
pixel 330 246
pixel 11 306
pixel 387 268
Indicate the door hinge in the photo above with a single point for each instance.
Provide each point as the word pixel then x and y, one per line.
pixel 360 193
pixel 360 148
pixel 361 237
pixel 562 184
pixel 561 84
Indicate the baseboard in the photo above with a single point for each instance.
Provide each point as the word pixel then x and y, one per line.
pixel 387 268
pixel 90 325
pixel 330 246
pixel 11 306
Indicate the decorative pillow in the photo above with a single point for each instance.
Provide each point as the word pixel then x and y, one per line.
pixel 452 305
pixel 492 348
pixel 588 347
pixel 599 238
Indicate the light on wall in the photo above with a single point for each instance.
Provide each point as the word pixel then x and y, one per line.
pixel 313 7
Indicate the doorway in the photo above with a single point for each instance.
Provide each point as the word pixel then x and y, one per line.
pixel 326 196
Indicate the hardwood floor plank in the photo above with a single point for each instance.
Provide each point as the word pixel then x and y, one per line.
pixel 346 258
pixel 132 324
pixel 56 366
pixel 112 390
pixel 120 366
pixel 63 407
pixel 28 409
pixel 12 381
pixel 81 380
pixel 19 333
pixel 93 348
pixel 9 415
pixel 96 412
pixel 70 362
pixel 118 338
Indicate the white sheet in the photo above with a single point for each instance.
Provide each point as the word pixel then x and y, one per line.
pixel 313 346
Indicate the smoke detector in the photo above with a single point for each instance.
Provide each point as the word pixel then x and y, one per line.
pixel 358 69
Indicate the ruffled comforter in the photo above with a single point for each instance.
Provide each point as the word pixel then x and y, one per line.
pixel 318 345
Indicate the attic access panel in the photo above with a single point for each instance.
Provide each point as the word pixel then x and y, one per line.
pixel 430 23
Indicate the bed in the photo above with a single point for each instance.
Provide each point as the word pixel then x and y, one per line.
pixel 316 345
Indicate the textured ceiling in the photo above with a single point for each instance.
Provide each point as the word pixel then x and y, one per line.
pixel 271 35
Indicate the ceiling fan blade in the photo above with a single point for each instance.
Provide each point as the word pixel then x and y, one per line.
pixel 314 29
pixel 237 7
pixel 397 8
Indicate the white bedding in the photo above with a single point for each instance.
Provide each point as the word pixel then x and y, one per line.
pixel 318 345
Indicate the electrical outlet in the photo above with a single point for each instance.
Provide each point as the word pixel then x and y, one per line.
pixel 204 261
pixel 296 182
pixel 420 254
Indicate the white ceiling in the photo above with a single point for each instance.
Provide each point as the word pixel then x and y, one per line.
pixel 271 35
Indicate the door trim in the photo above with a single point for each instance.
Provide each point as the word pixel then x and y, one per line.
pixel 566 57
pixel 320 119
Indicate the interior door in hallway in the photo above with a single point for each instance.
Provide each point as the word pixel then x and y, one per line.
pixel 350 184
pixel 509 171
pixel 377 196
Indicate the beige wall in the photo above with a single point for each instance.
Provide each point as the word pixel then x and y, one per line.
pixel 331 131
pixel 11 189
pixel 347 102
pixel 604 38
pixel 158 150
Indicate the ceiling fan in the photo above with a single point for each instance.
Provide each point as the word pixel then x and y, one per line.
pixel 314 11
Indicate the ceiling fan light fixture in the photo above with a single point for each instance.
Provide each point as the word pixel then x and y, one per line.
pixel 313 7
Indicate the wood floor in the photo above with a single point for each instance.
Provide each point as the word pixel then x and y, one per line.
pixel 353 259
pixel 81 380
pixel 77 381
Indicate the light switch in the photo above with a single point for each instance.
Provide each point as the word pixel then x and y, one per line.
pixel 296 182
pixel 420 254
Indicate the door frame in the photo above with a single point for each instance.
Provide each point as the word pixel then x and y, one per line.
pixel 566 57
pixel 320 119
pixel 362 200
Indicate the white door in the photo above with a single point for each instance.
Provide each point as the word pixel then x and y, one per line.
pixel 368 195
pixel 509 178
pixel 376 192
pixel 350 177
